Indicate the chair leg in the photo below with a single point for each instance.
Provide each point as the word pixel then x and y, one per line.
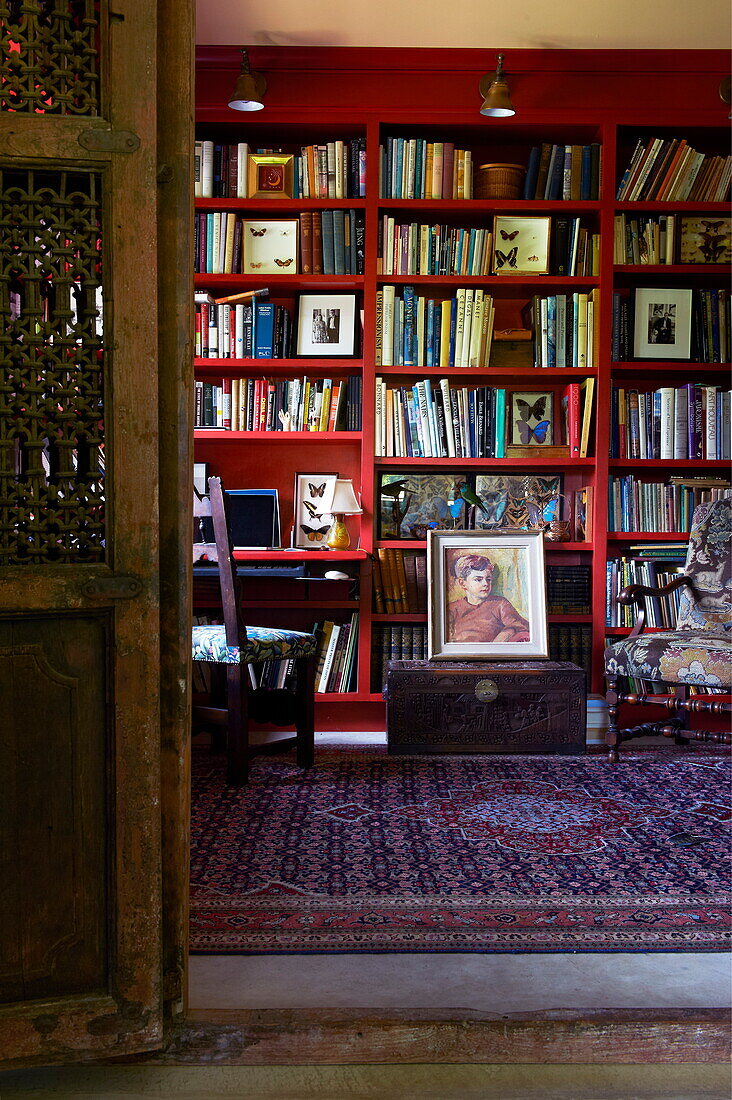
pixel 237 685
pixel 611 737
pixel 305 710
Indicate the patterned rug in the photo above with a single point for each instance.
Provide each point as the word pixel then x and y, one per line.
pixel 370 853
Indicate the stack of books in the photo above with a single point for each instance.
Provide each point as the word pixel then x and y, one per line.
pixel 689 421
pixel 337 656
pixel 395 643
pixel 635 505
pixel 563 172
pixel 670 170
pixel 440 421
pixel 331 170
pixel 419 249
pixel 569 589
pixel 571 642
pixel 644 239
pixel 399 581
pixel 220 170
pixel 648 570
pixel 412 168
pixel 279 405
pixel 414 331
pixel 331 242
pixel 250 329
pixel 565 329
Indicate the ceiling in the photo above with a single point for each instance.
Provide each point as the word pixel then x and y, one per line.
pixel 526 24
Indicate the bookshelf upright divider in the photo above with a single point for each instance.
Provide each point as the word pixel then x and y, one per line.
pixel 347 94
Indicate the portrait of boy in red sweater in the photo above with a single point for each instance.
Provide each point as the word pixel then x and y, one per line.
pixel 479 615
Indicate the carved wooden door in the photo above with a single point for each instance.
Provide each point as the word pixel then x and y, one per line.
pixel 79 679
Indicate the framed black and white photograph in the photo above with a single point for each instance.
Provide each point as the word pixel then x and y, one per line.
pixel 662 324
pixel 326 325
pixel 520 245
pixel 486 595
pixel 311 522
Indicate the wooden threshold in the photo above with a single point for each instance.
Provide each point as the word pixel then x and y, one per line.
pixel 270 1037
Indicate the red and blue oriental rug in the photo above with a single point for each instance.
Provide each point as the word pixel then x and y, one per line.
pixel 366 852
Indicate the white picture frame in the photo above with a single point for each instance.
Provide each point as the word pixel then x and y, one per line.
pixel 662 323
pixel 269 247
pixel 311 525
pixel 487 596
pixel 326 325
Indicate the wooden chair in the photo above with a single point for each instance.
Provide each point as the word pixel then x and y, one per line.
pixel 698 651
pixel 236 645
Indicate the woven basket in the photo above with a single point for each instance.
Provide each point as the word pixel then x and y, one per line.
pixel 498 181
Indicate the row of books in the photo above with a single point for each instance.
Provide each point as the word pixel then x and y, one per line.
pixel 565 329
pixel 331 242
pixel 569 172
pixel 420 249
pixel 413 168
pixel 395 643
pixel 661 611
pixel 644 239
pixel 412 330
pixel 399 581
pixel 331 170
pixel 217 243
pixel 569 589
pixel 253 329
pixel 671 170
pixel 337 656
pixel 571 642
pixel 689 421
pixel 711 325
pixel 440 421
pixel 279 405
pixel 635 505
pixel 414 248
pixel 657 687
pixel 248 330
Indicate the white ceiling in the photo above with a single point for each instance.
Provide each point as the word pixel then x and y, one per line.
pixel 525 24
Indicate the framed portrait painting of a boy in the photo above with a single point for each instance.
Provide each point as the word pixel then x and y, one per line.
pixel 487 596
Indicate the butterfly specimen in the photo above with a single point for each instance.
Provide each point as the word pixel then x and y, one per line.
pixel 533 258
pixel 316 490
pixel 315 534
pixel 507 258
pixel 260 264
pixel 257 232
pixel 495 503
pixel 283 263
pixel 538 432
pixel 508 236
pixel 530 412
pixel 312 510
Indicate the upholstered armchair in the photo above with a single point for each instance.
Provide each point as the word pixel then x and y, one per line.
pixel 698 652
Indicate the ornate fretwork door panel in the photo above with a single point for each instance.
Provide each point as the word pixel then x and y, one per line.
pixel 79 660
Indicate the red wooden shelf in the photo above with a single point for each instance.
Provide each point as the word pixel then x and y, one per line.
pixel 675 207
pixel 489 206
pixel 623 631
pixel 720 271
pixel 315 368
pixel 538 373
pixel 669 463
pixel 648 536
pixel 279 206
pixel 227 436
pixel 300 555
pixel 480 463
pixel 644 367
pixel 513 281
pixel 348 697
pixel 420 544
pixel 277 283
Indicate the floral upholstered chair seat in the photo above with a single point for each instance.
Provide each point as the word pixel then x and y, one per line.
pixel 698 652
pixel 264 643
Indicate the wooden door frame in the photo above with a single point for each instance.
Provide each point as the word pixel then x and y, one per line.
pixel 307 1036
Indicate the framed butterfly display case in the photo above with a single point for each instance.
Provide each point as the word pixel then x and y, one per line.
pixel 521 245
pixel 312 524
pixel 269 247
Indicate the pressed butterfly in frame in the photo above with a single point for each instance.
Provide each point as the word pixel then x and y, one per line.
pixel 507 259
pixel 508 236
pixel 529 412
pixel 257 232
pixel 538 432
pixel 283 263
pixel 315 534
pixel 316 490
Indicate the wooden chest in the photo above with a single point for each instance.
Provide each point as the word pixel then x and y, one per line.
pixel 497 706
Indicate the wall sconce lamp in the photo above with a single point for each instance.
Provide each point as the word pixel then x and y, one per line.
pixel 343 503
pixel 248 94
pixel 496 95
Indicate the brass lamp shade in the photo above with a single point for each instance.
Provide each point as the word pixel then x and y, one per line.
pixel 496 94
pixel 248 94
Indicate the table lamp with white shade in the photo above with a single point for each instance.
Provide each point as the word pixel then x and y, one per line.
pixel 342 503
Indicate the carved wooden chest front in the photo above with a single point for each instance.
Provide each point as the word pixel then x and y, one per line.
pixel 497 706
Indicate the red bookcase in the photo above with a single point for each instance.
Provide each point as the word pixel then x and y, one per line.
pixel 613 98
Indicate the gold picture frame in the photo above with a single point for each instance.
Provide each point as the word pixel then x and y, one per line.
pixel 270 176
pixel 521 245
